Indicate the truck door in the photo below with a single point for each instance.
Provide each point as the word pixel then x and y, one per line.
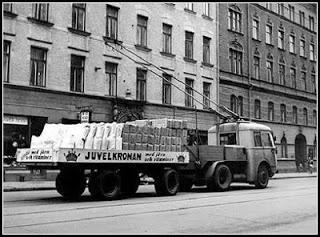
pixel 269 149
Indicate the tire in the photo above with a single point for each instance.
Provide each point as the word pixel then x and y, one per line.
pixel 167 183
pixel 221 179
pixel 130 182
pixel 105 185
pixel 71 183
pixel 262 178
pixel 185 184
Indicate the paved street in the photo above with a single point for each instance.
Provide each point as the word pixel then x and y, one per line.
pixel 287 206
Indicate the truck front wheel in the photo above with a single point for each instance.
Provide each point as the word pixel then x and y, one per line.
pixel 221 179
pixel 105 185
pixel 167 183
pixel 71 183
pixel 262 177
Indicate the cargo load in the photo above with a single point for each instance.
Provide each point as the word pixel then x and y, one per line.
pixel 150 135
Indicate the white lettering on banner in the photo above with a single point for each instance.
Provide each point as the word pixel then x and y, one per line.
pixel 10 119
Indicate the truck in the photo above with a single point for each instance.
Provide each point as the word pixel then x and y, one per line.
pixel 237 151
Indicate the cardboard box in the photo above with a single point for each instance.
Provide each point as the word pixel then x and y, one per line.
pixel 157 131
pixel 156 147
pixel 163 140
pixel 178 141
pixel 139 138
pixel 184 124
pixel 179 132
pixel 169 132
pixel 126 128
pixel 125 146
pixel 144 146
pixel 144 138
pixel 131 146
pixel 145 129
pixel 157 140
pixel 150 147
pixel 151 139
pixel 173 132
pixel 184 133
pixel 138 146
pixel 178 148
pixel 133 129
pixel 163 132
pixel 132 138
pixel 125 137
pixel 184 141
pixel 162 147
pixel 173 147
pixel 168 140
pixel 168 147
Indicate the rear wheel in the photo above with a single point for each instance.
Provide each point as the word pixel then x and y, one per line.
pixel 221 179
pixel 262 177
pixel 71 183
pixel 167 183
pixel 105 185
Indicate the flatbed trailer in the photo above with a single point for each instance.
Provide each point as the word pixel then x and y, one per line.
pixel 111 173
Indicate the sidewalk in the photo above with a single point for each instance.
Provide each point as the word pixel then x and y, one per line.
pixel 50 185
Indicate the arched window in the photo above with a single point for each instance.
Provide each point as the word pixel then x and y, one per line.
pixel 270 111
pixel 257 109
pixel 294 115
pixel 284 147
pixel 283 113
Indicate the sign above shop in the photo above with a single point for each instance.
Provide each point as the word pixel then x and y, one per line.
pixel 85 116
pixel 17 120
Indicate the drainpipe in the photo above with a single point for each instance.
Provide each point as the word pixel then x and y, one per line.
pixel 217 59
pixel 249 61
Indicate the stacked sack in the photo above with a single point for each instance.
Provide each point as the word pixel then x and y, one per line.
pixel 145 135
pixel 154 135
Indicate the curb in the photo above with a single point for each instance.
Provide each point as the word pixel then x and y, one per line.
pixel 15 189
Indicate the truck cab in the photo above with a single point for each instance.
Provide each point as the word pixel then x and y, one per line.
pixel 257 140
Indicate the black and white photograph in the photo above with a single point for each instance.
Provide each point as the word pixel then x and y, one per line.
pixel 160 118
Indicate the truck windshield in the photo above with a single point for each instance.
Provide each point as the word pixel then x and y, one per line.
pixel 228 139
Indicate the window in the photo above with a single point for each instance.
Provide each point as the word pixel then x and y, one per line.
pixel 77 73
pixel 268 34
pixel 293 77
pixel 281 74
pixel 303 80
pixel 294 115
pixel 234 20
pixel 40 11
pixel 257 139
pixel 305 116
pixel 269 6
pixel 266 139
pixel 257 109
pixel 292 44
pixel 269 71
pixel 314 117
pixel 236 61
pixel 189 45
pixel 280 39
pixel 255 29
pixel 167 38
pixel 228 139
pixel 311 23
pixel 166 89
pixel 189 6
pixel 302 48
pixel 270 111
pixel 206 8
pixel 291 12
pixel 256 67
pixel 312 55
pixel 38 66
pixel 240 105
pixel 142 31
pixel 206 93
pixel 280 9
pixel 302 18
pixel 313 82
pixel 141 84
pixel 283 113
pixel 7 7
pixel 189 93
pixel 111 73
pixel 79 16
pixel 233 103
pixel 6 60
pixel 284 147
pixel 206 49
pixel 112 22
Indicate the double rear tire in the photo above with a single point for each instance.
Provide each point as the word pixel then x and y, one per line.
pixel 166 183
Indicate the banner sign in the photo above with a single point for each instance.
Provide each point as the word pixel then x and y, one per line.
pixel 67 155
pixel 18 120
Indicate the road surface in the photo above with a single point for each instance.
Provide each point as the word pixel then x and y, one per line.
pixel 287 206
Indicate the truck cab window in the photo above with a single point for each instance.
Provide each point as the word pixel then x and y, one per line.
pixel 266 140
pixel 228 139
pixel 257 139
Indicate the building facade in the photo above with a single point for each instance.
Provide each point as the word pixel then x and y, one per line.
pixel 268 71
pixel 67 62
